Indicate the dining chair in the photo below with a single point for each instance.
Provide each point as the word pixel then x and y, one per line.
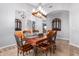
pixel 46 46
pixel 52 39
pixel 21 47
pixel 54 42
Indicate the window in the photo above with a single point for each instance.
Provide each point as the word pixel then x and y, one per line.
pixel 56 24
pixel 18 25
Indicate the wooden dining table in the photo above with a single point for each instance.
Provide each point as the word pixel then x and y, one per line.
pixel 34 41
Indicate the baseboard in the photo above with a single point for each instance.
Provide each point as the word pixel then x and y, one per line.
pixel 7 46
pixel 63 38
pixel 74 45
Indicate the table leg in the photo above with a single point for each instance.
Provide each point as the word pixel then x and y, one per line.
pixel 50 49
pixel 35 50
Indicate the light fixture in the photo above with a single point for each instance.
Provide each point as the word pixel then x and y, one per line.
pixel 39 12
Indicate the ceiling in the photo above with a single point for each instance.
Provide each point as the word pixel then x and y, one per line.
pixel 45 6
pixel 57 12
pixel 49 5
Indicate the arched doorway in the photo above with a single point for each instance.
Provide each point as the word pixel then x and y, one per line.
pixel 63 15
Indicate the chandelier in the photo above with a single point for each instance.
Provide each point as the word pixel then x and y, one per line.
pixel 39 12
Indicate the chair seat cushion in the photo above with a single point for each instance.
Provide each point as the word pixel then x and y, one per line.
pixel 26 47
pixel 44 46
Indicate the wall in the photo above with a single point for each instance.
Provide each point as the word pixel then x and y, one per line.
pixel 64 16
pixel 7 22
pixel 74 24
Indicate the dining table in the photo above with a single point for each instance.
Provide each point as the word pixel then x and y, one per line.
pixel 34 40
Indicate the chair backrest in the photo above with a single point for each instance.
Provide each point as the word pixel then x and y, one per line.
pixel 51 35
pixel 55 34
pixel 18 41
pixel 20 34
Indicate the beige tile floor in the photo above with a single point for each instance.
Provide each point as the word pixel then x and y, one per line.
pixel 63 49
pixel 74 51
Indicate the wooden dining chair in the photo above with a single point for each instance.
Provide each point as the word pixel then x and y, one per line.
pixel 43 46
pixel 21 47
pixel 52 39
pixel 46 46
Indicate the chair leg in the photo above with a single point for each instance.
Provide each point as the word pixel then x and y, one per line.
pixel 18 52
pixel 50 50
pixel 54 48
